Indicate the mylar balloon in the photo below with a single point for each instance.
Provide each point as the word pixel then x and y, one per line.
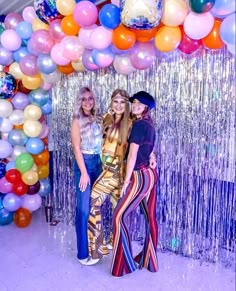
pixel 46 10
pixel 141 14
pixel 7 85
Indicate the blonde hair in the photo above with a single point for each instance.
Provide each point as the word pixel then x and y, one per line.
pixel 78 110
pixel 122 125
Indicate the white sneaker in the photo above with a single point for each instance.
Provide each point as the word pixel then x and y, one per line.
pixel 109 246
pixel 83 261
pixel 91 261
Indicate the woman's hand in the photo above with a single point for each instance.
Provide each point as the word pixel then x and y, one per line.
pixel 123 190
pixel 84 181
pixel 152 161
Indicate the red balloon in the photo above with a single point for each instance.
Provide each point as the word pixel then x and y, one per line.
pixel 187 44
pixel 20 188
pixel 22 217
pixel 13 176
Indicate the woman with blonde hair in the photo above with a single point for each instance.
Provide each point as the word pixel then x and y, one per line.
pixel 86 135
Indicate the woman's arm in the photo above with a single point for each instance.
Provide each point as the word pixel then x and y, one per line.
pixel 131 160
pixel 75 137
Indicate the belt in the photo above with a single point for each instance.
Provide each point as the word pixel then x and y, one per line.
pixel 89 153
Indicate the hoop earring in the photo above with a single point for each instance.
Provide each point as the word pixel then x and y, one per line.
pixel 110 111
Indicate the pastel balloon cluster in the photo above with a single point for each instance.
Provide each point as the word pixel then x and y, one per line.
pixel 62 36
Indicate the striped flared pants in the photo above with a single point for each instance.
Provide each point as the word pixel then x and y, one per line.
pixel 142 192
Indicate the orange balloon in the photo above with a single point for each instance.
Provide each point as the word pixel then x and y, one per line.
pixel 69 26
pixel 22 217
pixel 145 35
pixel 213 40
pixel 42 158
pixel 167 38
pixel 123 38
pixel 67 69
pixel 19 126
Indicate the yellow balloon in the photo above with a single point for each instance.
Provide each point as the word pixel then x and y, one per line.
pixel 32 128
pixel 34 168
pixel 78 66
pixel 174 12
pixel 15 71
pixel 32 82
pixel 37 24
pixel 167 38
pixel 43 171
pixel 65 7
pixel 32 112
pixel 30 177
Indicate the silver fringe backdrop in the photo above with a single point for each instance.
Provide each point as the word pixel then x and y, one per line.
pixel 195 123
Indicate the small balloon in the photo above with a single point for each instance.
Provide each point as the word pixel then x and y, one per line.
pixel 22 217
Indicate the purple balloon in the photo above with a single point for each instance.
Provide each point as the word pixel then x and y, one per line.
pixel 41 41
pixel 12 19
pixel 28 65
pixel 20 101
pixel 87 61
pixel 5 186
pixel 143 56
pixel 6 56
pixel 33 189
pixel 12 202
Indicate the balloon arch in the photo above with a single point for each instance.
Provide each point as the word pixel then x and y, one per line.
pixel 59 37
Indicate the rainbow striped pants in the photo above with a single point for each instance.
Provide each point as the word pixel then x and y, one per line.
pixel 142 192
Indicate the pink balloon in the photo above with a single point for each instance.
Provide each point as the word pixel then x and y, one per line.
pixel 123 65
pixel 116 2
pixel 197 26
pixel 84 36
pixel 71 48
pixel 142 56
pixel 41 41
pixel 45 131
pixel 101 37
pixel 5 186
pixel 10 40
pixel 31 202
pixel 29 14
pixel 31 49
pixel 28 65
pixel 46 86
pixel 57 55
pixel 12 19
pixel 55 30
pixel 85 13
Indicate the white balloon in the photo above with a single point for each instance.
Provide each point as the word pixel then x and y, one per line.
pixel 6 108
pixel 31 202
pixel 6 125
pixel 17 117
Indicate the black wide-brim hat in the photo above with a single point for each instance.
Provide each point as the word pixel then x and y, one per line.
pixel 144 98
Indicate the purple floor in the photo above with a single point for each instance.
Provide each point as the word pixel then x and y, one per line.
pixel 43 258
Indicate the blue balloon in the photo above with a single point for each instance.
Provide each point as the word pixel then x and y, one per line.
pixel 46 10
pixel 20 53
pixel 1 120
pixel 1 198
pixel 17 137
pixel 24 30
pixel 222 8
pixel 39 97
pixel 103 58
pixel 7 85
pixel 109 16
pixel 6 217
pixel 45 64
pixel 34 145
pixel 47 108
pixel 45 187
pixel 228 29
pixel 10 165
pixel 2 169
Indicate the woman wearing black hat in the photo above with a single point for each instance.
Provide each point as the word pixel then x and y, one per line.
pixel 139 188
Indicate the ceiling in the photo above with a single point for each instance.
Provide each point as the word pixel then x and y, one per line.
pixel 7 6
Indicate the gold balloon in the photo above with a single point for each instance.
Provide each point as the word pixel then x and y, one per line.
pixel 37 24
pixel 43 171
pixel 32 128
pixel 32 112
pixel 30 177
pixel 32 82
pixel 167 38
pixel 65 7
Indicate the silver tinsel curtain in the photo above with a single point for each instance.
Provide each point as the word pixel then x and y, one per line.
pixel 195 123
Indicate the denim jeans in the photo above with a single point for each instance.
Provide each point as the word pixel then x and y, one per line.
pixel 94 168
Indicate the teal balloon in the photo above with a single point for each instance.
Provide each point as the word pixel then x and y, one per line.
pixel 6 217
pixel 201 6
pixel 24 162
pixel 39 97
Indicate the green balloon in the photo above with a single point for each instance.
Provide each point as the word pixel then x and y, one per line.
pixel 24 162
pixel 201 6
pixel 1 29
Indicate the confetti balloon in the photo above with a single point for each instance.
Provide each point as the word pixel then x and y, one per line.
pixel 141 14
pixel 7 85
pixel 46 10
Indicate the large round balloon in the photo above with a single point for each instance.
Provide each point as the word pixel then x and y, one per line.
pixel 46 10
pixel 7 85
pixel 22 217
pixel 24 162
pixel 12 202
pixel 141 14
pixel 6 216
